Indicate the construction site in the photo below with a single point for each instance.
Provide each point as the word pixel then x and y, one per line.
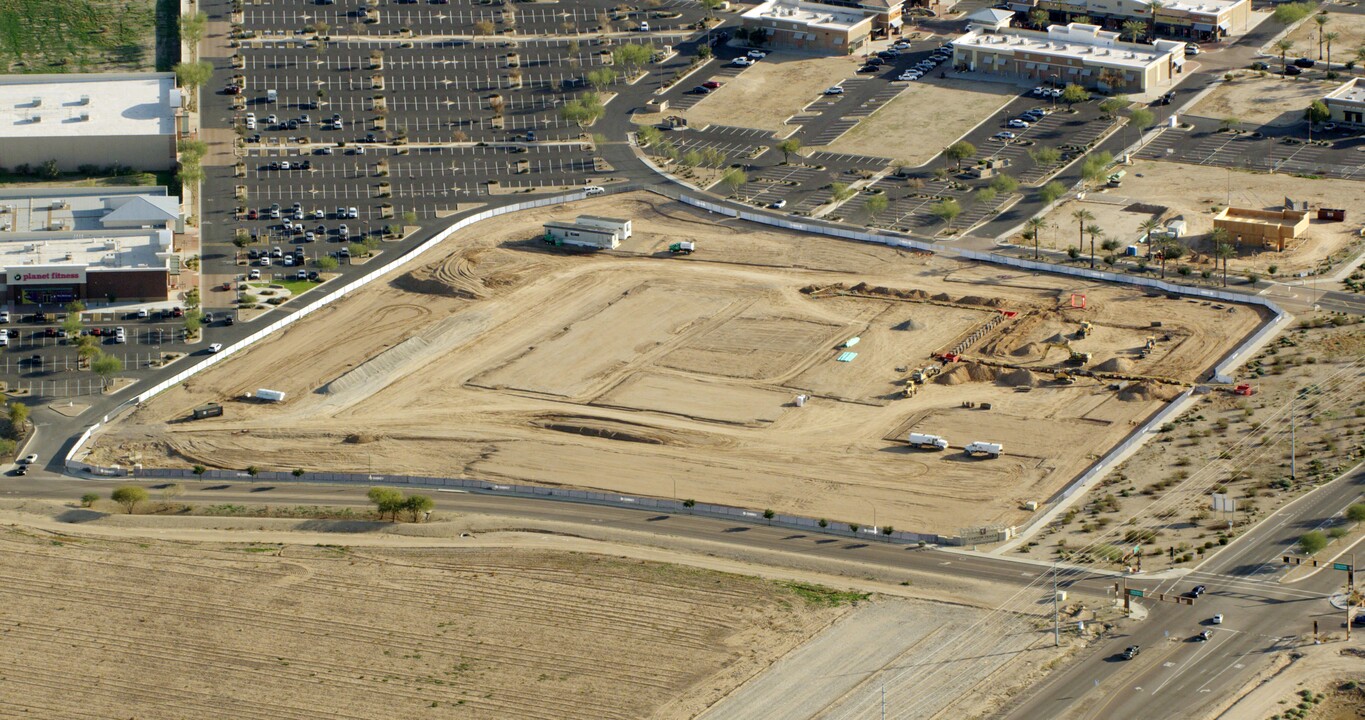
pixel 759 368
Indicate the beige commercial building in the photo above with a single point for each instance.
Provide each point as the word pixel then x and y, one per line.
pixel 1269 228
pixel 1076 54
pixel 810 26
pixel 1198 20
pixel 94 119
pixel 1347 103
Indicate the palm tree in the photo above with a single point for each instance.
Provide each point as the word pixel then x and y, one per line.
pixel 1360 55
pixel 1083 216
pixel 1284 46
pixel 1222 250
pixel 1093 230
pixel 1147 226
pixel 1329 37
pixel 1321 19
pixel 1133 29
pixel 1035 227
pixel 1154 5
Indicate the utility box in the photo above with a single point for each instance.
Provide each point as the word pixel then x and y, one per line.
pixel 207 411
pixel 269 395
pixel 1332 214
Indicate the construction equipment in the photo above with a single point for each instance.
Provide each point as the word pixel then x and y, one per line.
pixel 921 375
pixel 1151 342
pixel 1080 358
pixel 985 448
pixel 1244 389
pixel 1064 378
pixel 910 389
pixel 1086 329
pixel 927 442
pixel 682 248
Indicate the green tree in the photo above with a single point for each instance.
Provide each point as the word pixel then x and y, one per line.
pixel 386 500
pixel 1229 123
pixel 1290 13
pixel 1004 184
pixel 129 496
pixel 986 194
pixel 326 263
pixel 1033 230
pixel 648 135
pixel 199 470
pixel 1356 512
pixel 601 78
pixel 690 159
pixel 788 147
pixel 18 416
pixel 959 151
pixel 1093 230
pixel 711 6
pixel 632 57
pixel 875 205
pixel 1329 37
pixel 704 52
pixel 1072 94
pixel 841 192
pixel 1083 216
pixel 86 349
pixel 106 366
pixel 72 325
pixel 733 179
pixel 1039 18
pixel 1223 251
pixel 1133 29
pixel 194 319
pixel 1045 156
pixel 89 499
pixel 1312 542
pixel 769 515
pixel 1051 191
pixel 946 210
pixel 192 28
pixel 1096 166
pixel 192 76
pixel 1321 19
pixel 417 505
pixel 1111 106
pixel 1140 118
pixel 1315 114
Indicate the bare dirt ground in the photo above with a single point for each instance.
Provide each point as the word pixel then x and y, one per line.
pixel 1330 673
pixel 1349 26
pixel 1169 478
pixel 930 115
pixel 1195 193
pixel 1270 100
pixel 133 626
pixel 636 372
pixel 766 94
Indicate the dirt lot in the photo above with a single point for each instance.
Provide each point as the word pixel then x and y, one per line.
pixel 929 116
pixel 1270 100
pixel 1169 478
pixel 137 627
pixel 765 95
pixel 633 371
pixel 1194 192
pixel 1349 26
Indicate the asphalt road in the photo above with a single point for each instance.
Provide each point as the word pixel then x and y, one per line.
pixel 1176 676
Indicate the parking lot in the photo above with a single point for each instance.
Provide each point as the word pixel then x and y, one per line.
pixel 1204 145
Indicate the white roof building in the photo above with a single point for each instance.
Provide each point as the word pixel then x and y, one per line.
pixel 1073 54
pixel 90 119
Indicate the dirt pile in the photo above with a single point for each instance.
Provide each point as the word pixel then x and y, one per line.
pixel 1018 378
pixel 1147 391
pixel 1032 349
pixel 1117 364
pixel 967 372
pixel 983 301
pixel 359 439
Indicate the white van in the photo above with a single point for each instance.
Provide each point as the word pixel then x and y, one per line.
pixel 272 96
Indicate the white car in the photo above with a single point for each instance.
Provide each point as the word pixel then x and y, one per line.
pixel 215 347
pixel 741 62
pixel 594 190
pixel 1217 619
pixel 836 90
pixel 1041 91
pixel 909 76
pixel 1004 136
pixel 757 54
pixel 352 213
pixel 1055 92
pixel 254 274
pixel 778 205
pixel 29 460
pixel 119 336
pixel 319 214
pixel 901 45
pixel 4 316
pixel 1016 123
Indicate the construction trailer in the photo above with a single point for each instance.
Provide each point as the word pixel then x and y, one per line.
pixel 575 235
pixel 208 410
pixel 622 227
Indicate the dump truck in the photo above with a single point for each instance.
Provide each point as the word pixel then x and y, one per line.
pixel 924 374
pixel 682 248
pixel 985 448
pixel 927 442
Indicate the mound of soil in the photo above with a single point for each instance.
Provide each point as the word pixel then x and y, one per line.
pixel 1029 350
pixel 1018 378
pixel 1147 391
pixel 978 300
pixel 863 288
pixel 967 372
pixel 1117 364
pixel 943 297
pixel 359 439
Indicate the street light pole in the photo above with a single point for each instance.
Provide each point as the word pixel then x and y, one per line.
pixel 1056 616
pixel 1293 467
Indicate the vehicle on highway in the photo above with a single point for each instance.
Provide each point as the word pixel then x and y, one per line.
pixel 1217 619
pixel 778 205
pixel 1131 652
pixel 869 68
pixel 591 190
pixel 836 90
pixel 215 347
pixel 1197 590
pixel 1204 636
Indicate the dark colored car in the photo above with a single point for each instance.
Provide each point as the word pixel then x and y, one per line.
pixel 1197 591
pixel 1131 652
pixel 228 320
pixel 1292 70
pixel 701 90
pixel 869 69
pixel 1305 62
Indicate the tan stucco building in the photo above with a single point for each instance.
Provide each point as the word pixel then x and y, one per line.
pixel 1347 103
pixel 1076 54
pixel 1268 228
pixel 810 26
pixel 1187 19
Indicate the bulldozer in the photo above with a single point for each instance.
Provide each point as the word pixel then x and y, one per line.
pixel 1080 358
pixel 1086 329
pixel 1064 378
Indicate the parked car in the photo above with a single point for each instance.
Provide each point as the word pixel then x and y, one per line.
pixel 1016 123
pixel 778 205
pixel 1004 136
pixel 869 68
pixel 215 347
pixel 1293 70
pixel 1217 619
pixel 119 336
pixel 712 84
pixel 1304 62
pixel 254 274
pixel 741 62
pixel 836 90
pixel 29 459
pixel 701 90
pixel 757 54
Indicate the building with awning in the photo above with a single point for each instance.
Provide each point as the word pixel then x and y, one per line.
pixel 990 19
pixel 811 26
pixel 1076 54
pixel 1200 20
pixel 1347 103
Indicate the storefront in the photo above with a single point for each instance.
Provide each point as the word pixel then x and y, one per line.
pixel 56 285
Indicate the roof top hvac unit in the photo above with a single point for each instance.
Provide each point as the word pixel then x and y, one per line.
pixel 85 100
pixel 59 205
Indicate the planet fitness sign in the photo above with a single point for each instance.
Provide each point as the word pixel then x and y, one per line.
pixel 38 275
